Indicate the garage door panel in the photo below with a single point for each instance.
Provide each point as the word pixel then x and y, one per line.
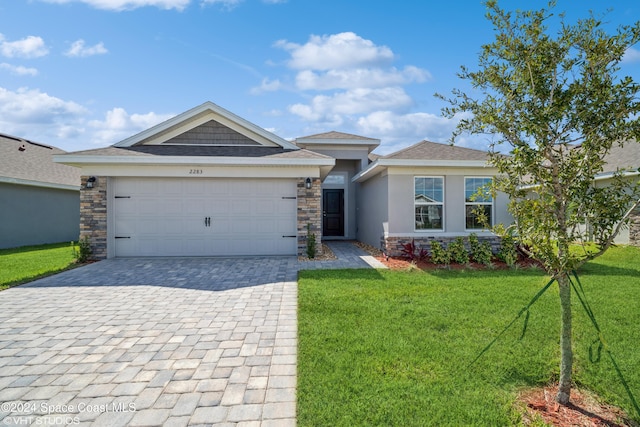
pixel 166 217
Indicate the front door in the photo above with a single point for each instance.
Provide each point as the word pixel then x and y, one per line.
pixel 333 212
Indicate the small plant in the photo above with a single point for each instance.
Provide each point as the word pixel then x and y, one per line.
pixel 458 252
pixel 412 252
pixel 83 252
pixel 409 250
pixel 311 242
pixel 439 255
pixel 508 252
pixel 480 252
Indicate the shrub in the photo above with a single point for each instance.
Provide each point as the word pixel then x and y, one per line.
pixel 508 252
pixel 311 243
pixel 480 252
pixel 83 252
pixel 458 252
pixel 439 255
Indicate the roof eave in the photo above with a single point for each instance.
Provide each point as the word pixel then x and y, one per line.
pixel 54 185
pixel 382 163
pixel 80 160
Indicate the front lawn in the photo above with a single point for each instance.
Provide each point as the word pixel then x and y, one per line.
pixel 393 348
pixel 20 265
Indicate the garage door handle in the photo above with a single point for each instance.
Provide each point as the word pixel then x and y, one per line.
pixel 207 221
pixel 290 236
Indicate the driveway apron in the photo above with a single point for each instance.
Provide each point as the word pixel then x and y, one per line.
pixel 140 342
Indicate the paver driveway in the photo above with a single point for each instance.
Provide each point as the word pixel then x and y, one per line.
pixel 152 342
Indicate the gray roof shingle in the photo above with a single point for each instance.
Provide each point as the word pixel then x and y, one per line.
pixel 427 150
pixel 337 135
pixel 30 161
pixel 625 157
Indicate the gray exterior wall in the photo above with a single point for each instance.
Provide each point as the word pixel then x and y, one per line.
pixel 386 213
pixel 32 215
pixel 401 203
pixel 373 210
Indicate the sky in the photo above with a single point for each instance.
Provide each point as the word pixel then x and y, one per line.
pixel 83 74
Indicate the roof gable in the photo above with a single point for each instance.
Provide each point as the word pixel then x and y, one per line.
pixel 206 124
pixel 426 154
pixel 335 139
pixel 26 162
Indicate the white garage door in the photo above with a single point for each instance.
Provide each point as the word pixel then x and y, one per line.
pixel 204 217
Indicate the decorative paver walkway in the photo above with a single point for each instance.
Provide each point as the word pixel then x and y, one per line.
pixel 141 342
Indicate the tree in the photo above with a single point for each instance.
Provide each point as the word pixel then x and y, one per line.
pixel 555 102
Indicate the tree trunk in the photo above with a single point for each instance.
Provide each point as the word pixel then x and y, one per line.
pixel 566 352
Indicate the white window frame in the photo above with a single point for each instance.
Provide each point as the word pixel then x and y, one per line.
pixel 466 203
pixel 415 204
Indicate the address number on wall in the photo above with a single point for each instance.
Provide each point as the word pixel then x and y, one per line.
pixel 195 171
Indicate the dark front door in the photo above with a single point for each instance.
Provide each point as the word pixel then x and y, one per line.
pixel 333 212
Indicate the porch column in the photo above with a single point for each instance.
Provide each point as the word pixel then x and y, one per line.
pixel 309 212
pixel 93 215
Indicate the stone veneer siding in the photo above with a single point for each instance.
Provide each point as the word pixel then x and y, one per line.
pixel 309 212
pixel 392 246
pixel 93 216
pixel 634 227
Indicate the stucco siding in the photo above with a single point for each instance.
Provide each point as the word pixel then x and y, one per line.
pixel 33 215
pixel 373 208
pixel 401 201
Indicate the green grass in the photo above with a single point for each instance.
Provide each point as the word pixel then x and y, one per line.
pixel 20 265
pixel 392 348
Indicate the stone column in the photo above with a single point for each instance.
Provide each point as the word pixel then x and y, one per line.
pixel 634 227
pixel 93 216
pixel 309 212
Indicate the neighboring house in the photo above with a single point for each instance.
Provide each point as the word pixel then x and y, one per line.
pixel 39 199
pixel 209 183
pixel 624 158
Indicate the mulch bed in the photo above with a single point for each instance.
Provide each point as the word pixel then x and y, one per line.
pixel 401 263
pixel 583 410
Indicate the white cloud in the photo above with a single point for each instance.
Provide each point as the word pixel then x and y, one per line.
pixel 19 69
pixel 401 130
pixel 118 125
pixel 631 55
pixel 337 51
pixel 78 49
pixel 267 86
pixel 28 47
pixel 38 115
pixel 226 4
pixel 359 77
pixel 352 102
pixel 120 5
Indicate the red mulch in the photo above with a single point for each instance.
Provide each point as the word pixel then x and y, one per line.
pixel 583 410
pixel 400 263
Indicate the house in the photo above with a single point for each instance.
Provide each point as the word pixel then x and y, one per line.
pixel 39 199
pixel 210 183
pixel 624 158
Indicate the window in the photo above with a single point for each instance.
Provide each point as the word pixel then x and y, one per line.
pixel 477 199
pixel 334 179
pixel 429 202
